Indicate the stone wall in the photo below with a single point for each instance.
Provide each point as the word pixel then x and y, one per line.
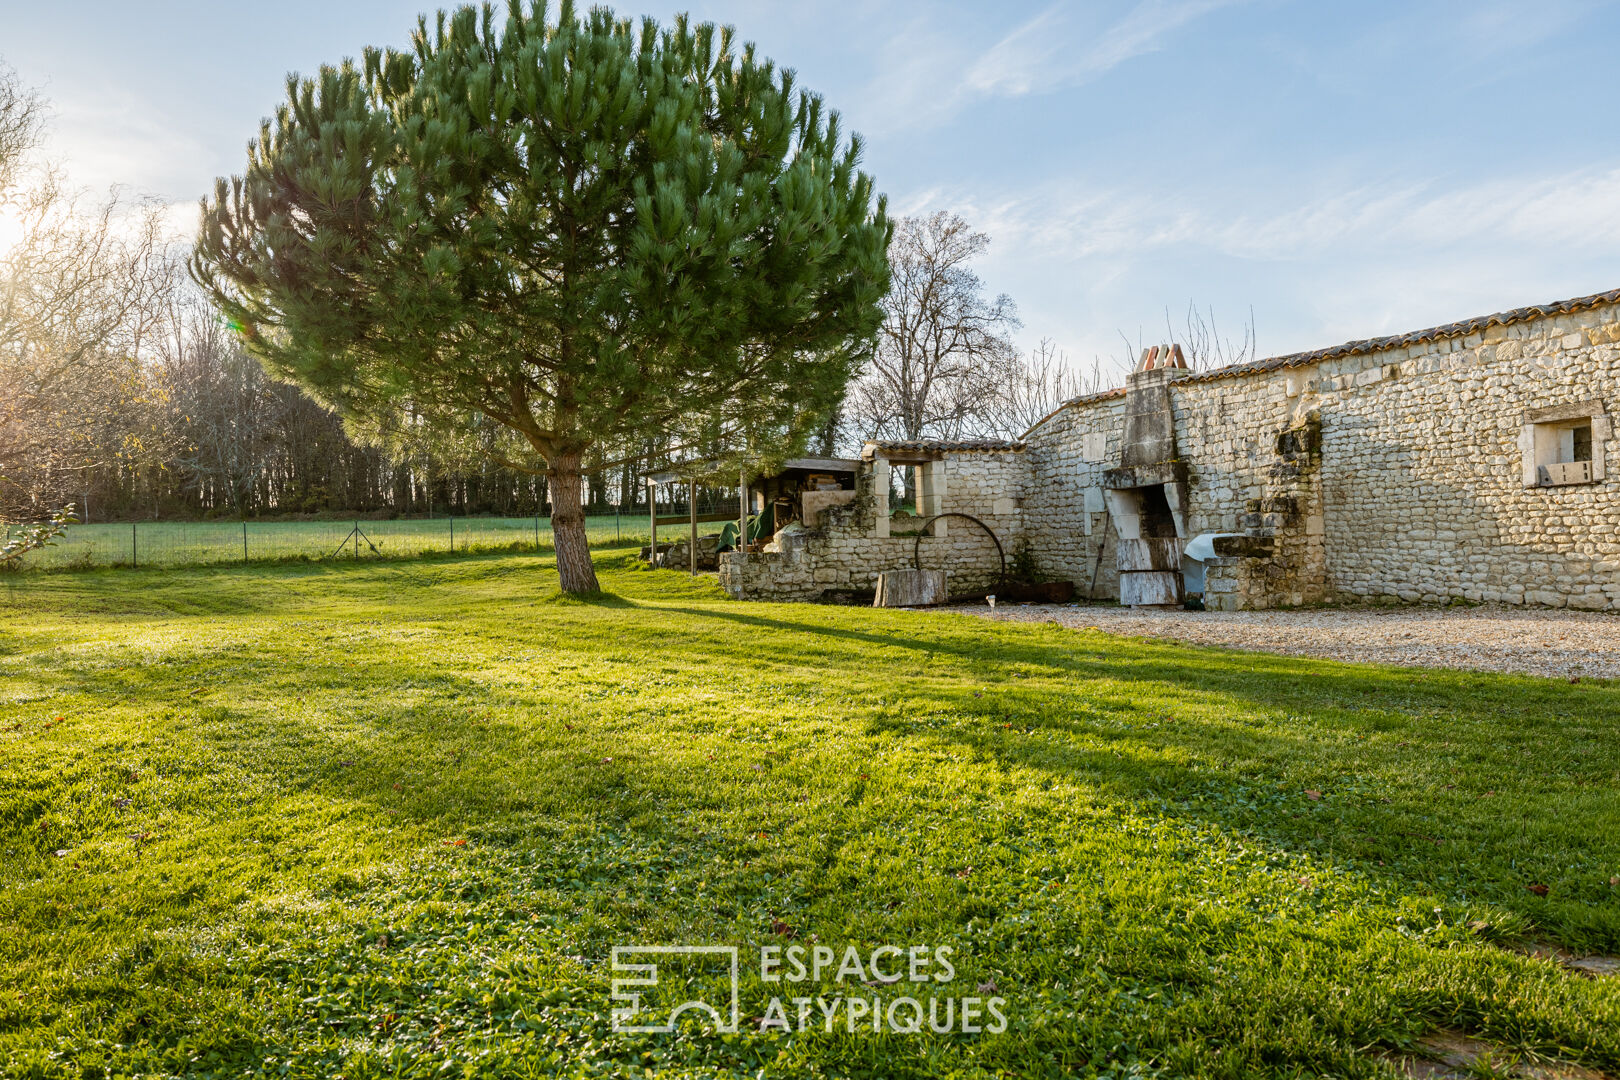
pixel 1422 468
pixel 1416 489
pixel 1399 469
pixel 1065 518
pixel 843 553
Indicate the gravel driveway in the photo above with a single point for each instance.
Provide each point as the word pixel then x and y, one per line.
pixel 1531 641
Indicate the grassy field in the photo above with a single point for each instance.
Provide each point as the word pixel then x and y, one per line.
pixel 391 819
pixel 201 543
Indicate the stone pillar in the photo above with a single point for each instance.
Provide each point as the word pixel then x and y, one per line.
pixel 880 496
pixel 930 493
pixel 942 473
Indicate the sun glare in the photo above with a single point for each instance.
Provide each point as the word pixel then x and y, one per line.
pixel 11 230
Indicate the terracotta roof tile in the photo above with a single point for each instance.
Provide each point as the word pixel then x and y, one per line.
pixel 945 445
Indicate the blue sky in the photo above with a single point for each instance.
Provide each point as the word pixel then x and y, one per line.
pixel 1345 169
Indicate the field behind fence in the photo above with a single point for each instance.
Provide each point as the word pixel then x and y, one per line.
pixel 200 543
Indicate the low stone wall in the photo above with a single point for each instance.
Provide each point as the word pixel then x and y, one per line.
pixel 817 562
pixel 844 554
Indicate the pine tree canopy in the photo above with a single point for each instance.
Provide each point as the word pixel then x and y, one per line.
pixel 585 231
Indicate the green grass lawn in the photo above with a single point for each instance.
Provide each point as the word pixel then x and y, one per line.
pixel 201 543
pixel 391 819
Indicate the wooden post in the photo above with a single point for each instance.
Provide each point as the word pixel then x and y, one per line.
pixel 691 505
pixel 652 514
pixel 742 506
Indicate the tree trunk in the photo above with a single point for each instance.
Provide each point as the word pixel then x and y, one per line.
pixel 574 570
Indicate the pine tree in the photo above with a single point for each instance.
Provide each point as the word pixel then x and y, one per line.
pixel 585 232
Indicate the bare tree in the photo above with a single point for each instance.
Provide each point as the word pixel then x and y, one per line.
pixel 21 113
pixel 1204 345
pixel 1037 385
pixel 944 352
pixel 79 295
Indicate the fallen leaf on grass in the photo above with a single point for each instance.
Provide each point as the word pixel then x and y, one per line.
pixel 456 843
pixel 1538 889
pixel 782 929
pixel 1312 794
pixel 61 853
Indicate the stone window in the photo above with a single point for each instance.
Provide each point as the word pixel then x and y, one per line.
pixel 1564 445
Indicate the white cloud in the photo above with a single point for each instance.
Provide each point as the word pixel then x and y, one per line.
pixel 1574 209
pixel 1142 31
pixel 927 76
pixel 1365 260
pixel 116 139
pixel 1012 65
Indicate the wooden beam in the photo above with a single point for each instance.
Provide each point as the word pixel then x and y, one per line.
pixel 703 519
pixel 912 457
pixel 691 506
pixel 652 513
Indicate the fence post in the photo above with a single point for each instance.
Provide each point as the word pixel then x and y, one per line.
pixel 134 547
pixel 244 540
pixel 356 538
pixel 616 536
pixel 537 533
pixel 452 534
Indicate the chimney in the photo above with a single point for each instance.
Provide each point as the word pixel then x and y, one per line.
pixel 1162 356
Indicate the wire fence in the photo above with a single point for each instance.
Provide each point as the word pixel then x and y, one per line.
pixel 150 544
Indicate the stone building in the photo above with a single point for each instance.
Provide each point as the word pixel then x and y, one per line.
pixel 1465 461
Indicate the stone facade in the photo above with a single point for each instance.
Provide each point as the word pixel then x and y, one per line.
pixel 1465 462
pixel 1400 470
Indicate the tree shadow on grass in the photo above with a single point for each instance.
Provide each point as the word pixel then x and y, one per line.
pixel 1403 763
pixel 1401 758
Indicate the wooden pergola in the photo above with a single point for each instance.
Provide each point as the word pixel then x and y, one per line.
pixel 672 476
pixel 690 472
